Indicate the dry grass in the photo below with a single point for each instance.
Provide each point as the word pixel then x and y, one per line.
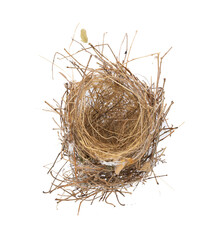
pixel 110 126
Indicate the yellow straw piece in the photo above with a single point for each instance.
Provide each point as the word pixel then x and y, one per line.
pixel 83 36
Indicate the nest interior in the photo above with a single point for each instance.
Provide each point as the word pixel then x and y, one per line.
pixel 110 125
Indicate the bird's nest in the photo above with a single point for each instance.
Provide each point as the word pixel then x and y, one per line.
pixel 110 125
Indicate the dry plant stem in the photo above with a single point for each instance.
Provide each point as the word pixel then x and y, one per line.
pixel 110 126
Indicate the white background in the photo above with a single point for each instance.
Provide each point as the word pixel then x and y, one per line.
pixel 183 205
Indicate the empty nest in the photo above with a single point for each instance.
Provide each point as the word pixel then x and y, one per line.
pixel 110 125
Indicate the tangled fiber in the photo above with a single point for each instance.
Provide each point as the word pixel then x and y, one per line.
pixel 110 125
